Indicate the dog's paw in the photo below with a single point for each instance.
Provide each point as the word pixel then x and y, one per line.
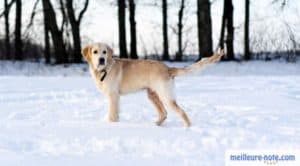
pixel 160 120
pixel 187 124
pixel 111 118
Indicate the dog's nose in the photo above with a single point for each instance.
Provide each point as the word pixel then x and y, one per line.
pixel 101 61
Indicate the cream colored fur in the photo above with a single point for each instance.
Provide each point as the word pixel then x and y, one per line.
pixel 126 76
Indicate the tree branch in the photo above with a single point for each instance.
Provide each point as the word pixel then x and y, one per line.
pixel 283 2
pixel 32 14
pixel 8 8
pixel 83 11
pixel 64 16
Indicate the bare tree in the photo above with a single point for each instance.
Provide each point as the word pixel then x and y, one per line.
pixel 56 33
pixel 7 7
pixel 7 40
pixel 18 28
pixel 230 30
pixel 247 54
pixel 122 28
pixel 227 21
pixel 75 25
pixel 165 30
pixel 47 44
pixel 46 31
pixel 292 52
pixel 32 16
pixel 204 28
pixel 179 54
pixel 133 43
pixel 46 38
pixel 222 33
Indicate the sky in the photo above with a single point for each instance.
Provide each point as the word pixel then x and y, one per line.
pixel 268 24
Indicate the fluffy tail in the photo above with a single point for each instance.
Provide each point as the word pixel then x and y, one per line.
pixel 196 66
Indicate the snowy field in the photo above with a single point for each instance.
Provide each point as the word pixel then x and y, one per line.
pixel 55 116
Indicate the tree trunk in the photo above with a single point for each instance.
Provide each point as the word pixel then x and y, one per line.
pixel 46 40
pixel 165 30
pixel 75 32
pixel 223 24
pixel 7 40
pixel 230 30
pixel 133 44
pixel 247 54
pixel 227 22
pixel 122 29
pixel 204 28
pixel 56 34
pixel 47 47
pixel 75 25
pixel 77 44
pixel 18 28
pixel 179 54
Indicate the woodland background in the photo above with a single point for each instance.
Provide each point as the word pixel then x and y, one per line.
pixel 52 32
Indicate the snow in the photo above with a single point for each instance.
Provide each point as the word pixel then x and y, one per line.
pixel 55 116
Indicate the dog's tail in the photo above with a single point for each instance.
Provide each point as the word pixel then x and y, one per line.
pixel 196 66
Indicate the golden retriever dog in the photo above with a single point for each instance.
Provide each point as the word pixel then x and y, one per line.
pixel 115 77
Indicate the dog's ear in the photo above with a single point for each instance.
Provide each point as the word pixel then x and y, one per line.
pixel 86 52
pixel 110 52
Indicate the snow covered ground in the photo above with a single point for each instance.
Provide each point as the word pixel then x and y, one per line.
pixel 55 116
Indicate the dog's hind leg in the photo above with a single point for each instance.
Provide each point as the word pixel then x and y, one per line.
pixel 162 114
pixel 165 93
pixel 173 105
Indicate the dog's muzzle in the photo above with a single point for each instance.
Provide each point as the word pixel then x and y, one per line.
pixel 101 61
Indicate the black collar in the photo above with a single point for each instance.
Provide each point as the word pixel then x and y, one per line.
pixel 104 75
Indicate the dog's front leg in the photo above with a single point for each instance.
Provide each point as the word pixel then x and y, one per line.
pixel 113 107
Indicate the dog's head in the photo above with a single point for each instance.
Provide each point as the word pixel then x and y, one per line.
pixel 98 55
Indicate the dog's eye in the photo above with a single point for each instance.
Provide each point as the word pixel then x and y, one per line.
pixel 104 52
pixel 95 52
